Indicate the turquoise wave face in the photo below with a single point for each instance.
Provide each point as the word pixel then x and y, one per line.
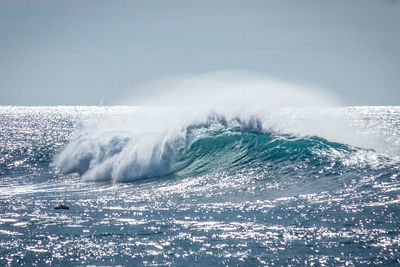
pixel 229 150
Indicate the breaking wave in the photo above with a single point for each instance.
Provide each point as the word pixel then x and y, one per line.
pixel 225 121
pixel 214 146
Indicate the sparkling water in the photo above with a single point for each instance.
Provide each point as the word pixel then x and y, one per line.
pixel 151 186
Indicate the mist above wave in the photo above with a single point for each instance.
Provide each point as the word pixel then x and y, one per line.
pixel 234 88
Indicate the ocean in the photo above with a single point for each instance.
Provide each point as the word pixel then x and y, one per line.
pixel 165 186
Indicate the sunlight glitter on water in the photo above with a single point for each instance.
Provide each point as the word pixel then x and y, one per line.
pixel 284 210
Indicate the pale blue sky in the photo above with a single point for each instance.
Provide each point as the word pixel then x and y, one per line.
pixel 78 52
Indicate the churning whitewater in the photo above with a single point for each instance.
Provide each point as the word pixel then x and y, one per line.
pixel 239 170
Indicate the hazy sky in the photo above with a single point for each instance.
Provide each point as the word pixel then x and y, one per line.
pixel 79 52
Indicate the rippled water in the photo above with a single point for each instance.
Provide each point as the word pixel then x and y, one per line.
pixel 246 197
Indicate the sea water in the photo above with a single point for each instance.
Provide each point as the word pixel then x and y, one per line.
pixel 167 186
